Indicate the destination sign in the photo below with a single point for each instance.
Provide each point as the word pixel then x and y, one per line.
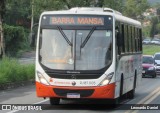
pixel 75 20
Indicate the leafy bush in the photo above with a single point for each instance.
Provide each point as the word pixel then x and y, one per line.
pixel 12 71
pixel 15 39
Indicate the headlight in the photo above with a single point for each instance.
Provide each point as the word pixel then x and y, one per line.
pixel 107 79
pixel 42 79
pixel 151 68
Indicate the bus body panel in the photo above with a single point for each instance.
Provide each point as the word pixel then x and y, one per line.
pixel 79 82
pixel 128 66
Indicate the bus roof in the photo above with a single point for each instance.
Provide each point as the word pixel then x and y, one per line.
pixel 96 11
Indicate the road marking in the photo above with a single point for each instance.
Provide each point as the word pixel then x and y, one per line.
pixel 147 99
pixel 149 96
pixel 13 111
pixel 41 101
pixel 156 95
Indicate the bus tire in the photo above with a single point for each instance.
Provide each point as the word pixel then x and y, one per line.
pixel 54 101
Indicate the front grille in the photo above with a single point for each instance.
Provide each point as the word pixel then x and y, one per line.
pixel 73 76
pixel 82 92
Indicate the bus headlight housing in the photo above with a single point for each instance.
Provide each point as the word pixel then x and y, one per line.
pixel 107 79
pixel 42 79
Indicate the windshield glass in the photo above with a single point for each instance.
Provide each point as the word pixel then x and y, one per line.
pixel 157 57
pixel 77 50
pixel 148 60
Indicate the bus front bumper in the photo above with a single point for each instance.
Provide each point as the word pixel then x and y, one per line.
pixel 98 92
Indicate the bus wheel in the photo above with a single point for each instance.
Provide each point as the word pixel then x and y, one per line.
pixel 54 101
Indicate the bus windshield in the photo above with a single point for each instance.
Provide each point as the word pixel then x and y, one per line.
pixel 80 53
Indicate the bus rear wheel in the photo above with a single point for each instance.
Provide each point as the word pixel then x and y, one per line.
pixel 54 101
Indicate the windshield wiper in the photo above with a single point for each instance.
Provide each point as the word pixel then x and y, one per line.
pixel 88 36
pixel 65 37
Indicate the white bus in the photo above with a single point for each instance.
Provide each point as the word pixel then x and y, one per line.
pixel 89 53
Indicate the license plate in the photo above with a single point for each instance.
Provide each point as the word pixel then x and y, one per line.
pixel 73 95
pixel 143 71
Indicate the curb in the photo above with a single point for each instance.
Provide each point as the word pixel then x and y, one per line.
pixel 16 84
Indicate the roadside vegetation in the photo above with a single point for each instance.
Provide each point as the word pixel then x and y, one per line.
pixel 16 40
pixel 150 49
pixel 12 71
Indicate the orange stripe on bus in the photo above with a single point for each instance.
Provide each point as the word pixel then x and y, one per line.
pixel 107 91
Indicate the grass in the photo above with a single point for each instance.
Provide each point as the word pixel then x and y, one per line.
pixel 150 49
pixel 12 71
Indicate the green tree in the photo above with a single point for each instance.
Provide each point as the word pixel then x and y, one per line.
pixel 114 4
pixel 18 12
pixel 52 5
pixel 146 31
pixel 135 8
pixel 40 6
pixel 79 3
pixel 154 22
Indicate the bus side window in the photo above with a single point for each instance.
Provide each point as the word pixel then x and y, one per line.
pixel 126 38
pixel 133 39
pixel 122 37
pixel 140 33
pixel 119 40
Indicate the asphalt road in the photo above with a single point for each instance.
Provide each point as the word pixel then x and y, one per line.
pixel 147 93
